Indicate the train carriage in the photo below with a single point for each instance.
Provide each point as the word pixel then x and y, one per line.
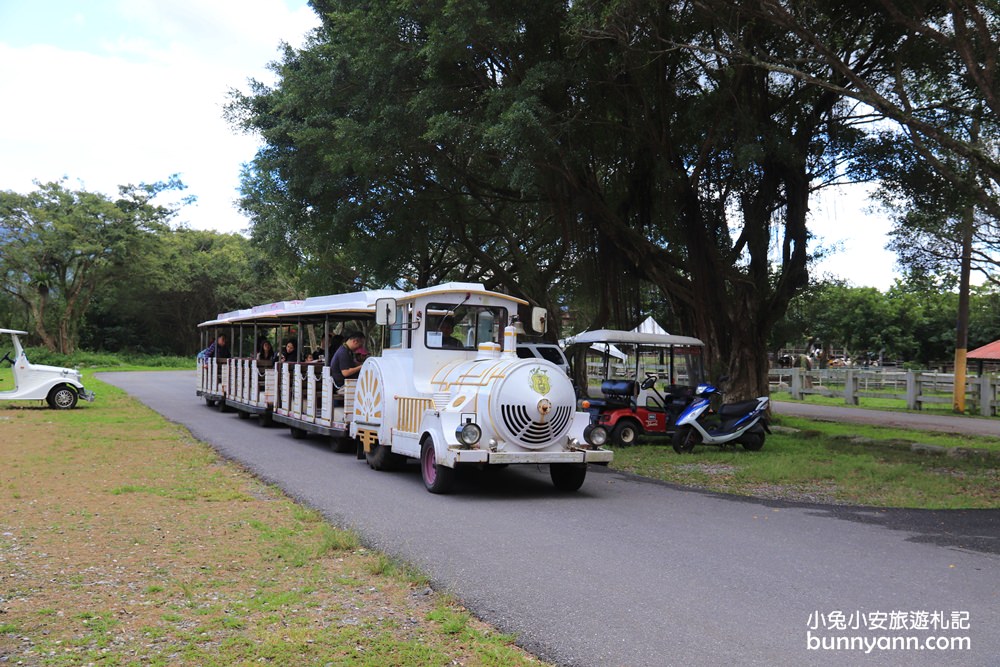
pixel 300 393
pixel 446 388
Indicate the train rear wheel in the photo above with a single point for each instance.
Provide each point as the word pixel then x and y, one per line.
pixel 381 457
pixel 342 445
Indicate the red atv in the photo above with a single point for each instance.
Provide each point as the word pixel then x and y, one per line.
pixel 605 364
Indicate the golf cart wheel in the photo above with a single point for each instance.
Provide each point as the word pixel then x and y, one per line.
pixel 626 433
pixel 63 397
pixel 685 438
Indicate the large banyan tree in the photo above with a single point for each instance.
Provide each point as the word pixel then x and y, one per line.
pixel 556 148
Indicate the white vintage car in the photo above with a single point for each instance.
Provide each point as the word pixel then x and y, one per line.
pixel 59 387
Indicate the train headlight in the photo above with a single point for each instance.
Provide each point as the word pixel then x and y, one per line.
pixel 468 434
pixel 595 435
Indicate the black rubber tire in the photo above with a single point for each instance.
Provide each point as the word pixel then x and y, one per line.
pixel 264 419
pixel 685 438
pixel 568 477
pixel 752 442
pixel 381 458
pixel 626 433
pixel 298 433
pixel 437 478
pixel 62 397
pixel 210 402
pixel 343 445
pixel 242 414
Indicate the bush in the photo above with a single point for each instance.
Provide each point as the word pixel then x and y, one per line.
pixel 86 359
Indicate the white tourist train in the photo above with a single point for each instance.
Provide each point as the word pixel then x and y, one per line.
pixel 445 385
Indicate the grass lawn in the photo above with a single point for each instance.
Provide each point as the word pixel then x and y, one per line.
pixel 833 463
pixel 123 541
pixel 893 404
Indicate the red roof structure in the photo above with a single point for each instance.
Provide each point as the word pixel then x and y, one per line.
pixel 988 352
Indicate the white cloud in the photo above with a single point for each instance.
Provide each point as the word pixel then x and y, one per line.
pixel 846 222
pixel 148 105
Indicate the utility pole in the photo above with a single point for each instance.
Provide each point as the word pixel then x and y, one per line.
pixel 962 327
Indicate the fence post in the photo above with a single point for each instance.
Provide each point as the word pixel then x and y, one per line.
pixel 912 391
pixel 851 388
pixel 797 384
pixel 986 396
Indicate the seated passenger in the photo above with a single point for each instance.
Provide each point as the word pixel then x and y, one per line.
pixel 266 351
pixel 343 365
pixel 290 354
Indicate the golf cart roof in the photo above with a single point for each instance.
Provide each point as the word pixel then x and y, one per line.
pixel 13 331
pixel 614 337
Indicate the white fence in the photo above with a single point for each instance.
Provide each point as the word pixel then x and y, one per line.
pixel 982 394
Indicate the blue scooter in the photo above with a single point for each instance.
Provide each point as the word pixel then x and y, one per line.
pixel 744 422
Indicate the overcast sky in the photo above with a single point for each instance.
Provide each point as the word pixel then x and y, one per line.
pixel 110 92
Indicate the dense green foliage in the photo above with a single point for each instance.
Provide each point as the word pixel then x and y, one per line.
pixel 81 269
pixel 912 322
pixel 61 246
pixel 564 152
pixel 606 160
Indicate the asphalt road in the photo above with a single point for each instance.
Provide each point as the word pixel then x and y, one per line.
pixel 633 572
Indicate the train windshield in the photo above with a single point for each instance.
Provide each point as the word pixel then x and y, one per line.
pixel 464 327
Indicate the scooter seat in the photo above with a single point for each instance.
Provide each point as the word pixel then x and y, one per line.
pixel 737 409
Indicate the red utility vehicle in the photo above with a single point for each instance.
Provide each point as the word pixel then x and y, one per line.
pixel 635 384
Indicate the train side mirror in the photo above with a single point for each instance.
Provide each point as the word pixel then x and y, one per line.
pixel 385 311
pixel 539 320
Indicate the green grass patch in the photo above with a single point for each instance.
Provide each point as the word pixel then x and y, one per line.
pixel 208 565
pixel 869 403
pixel 834 463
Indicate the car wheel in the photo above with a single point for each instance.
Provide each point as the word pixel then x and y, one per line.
pixel 63 397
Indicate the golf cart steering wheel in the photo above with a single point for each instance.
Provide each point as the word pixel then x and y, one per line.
pixel 650 380
pixel 6 357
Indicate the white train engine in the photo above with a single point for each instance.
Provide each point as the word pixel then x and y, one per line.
pixel 450 390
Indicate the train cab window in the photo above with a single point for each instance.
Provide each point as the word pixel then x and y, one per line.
pixel 397 331
pixel 463 327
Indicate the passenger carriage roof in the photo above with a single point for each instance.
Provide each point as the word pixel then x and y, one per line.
pixel 632 337
pixel 361 303
pixel 456 288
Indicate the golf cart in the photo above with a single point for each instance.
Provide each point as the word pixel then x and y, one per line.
pixel 635 383
pixel 59 387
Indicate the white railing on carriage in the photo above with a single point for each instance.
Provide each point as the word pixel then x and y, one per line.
pixel 305 391
pixel 917 388
pixel 213 376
